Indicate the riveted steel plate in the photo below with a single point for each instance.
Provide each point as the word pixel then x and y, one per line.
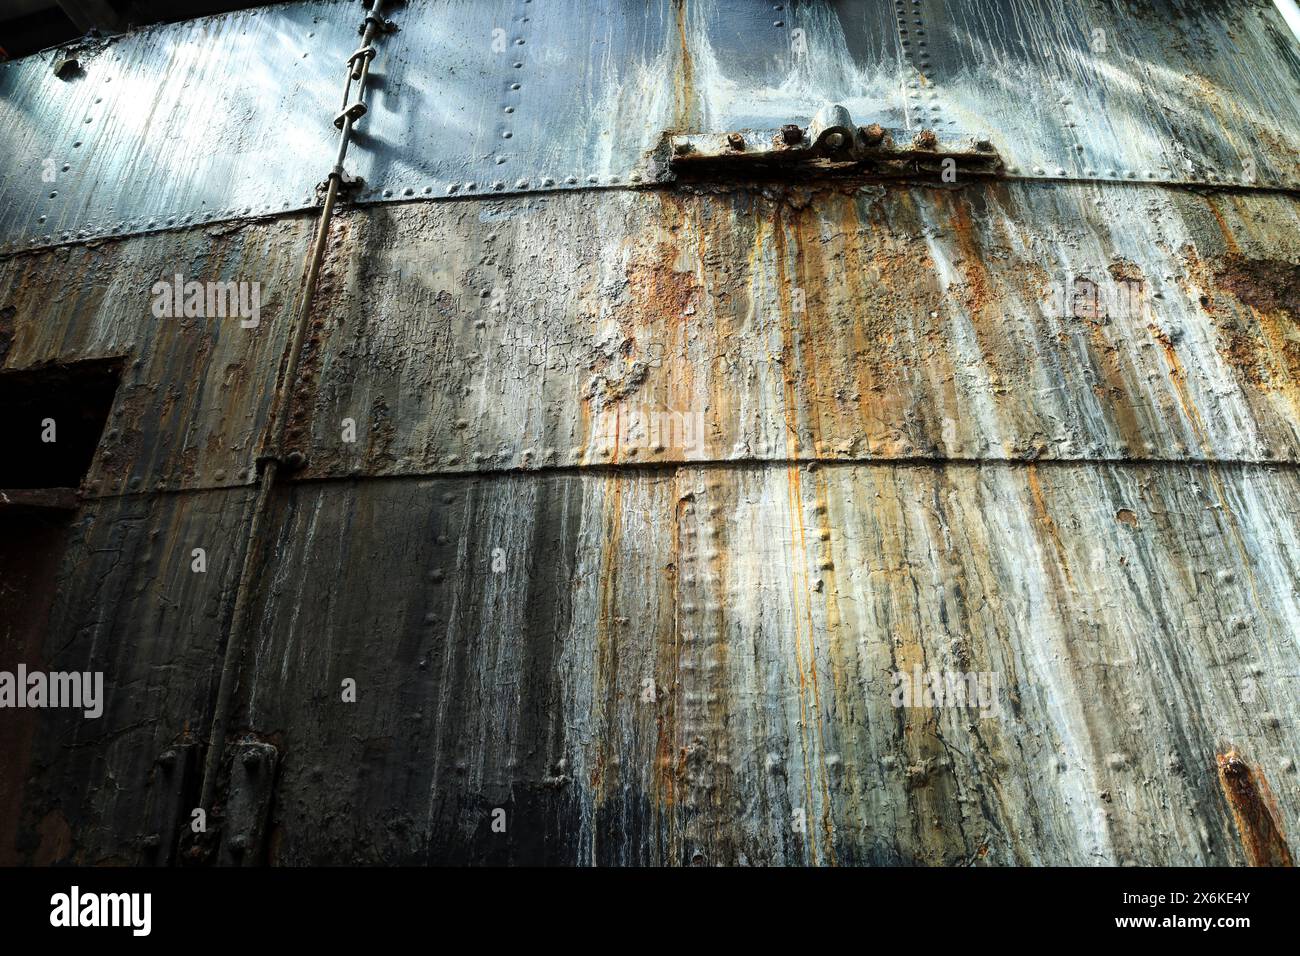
pixel 508 97
pixel 215 118
pixel 1018 320
pixel 712 650
pixel 1166 91
pixel 230 116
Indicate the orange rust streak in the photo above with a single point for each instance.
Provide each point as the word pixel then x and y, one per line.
pixel 1047 521
pixel 1254 810
pixel 789 345
pixel 799 561
pixel 606 671
pixel 1179 378
pixel 796 513
pixel 809 340
pixel 1228 238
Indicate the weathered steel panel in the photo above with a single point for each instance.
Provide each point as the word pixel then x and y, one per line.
pixel 216 118
pixel 666 666
pixel 1178 91
pixel 656 491
pixel 569 93
pixel 842 321
pixel 471 96
pixel 229 116
pixel 195 391
pixel 601 328
pixel 127 603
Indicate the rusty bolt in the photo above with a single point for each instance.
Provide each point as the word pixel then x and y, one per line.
pixel 873 135
pixel 926 139
pixel 791 134
pixel 735 141
pixel 252 760
pixel 835 140
pixel 983 145
pixel 682 149
pixel 167 758
pixel 295 460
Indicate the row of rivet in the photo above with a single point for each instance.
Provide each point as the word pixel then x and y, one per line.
pixel 133 228
pixel 915 42
pixel 528 459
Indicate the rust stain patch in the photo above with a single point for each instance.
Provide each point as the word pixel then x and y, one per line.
pixel 1124 270
pixel 1260 338
pixel 1254 810
pixel 659 288
pixel 1269 285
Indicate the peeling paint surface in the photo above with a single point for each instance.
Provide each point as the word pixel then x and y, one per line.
pixel 194 395
pixel 1014 321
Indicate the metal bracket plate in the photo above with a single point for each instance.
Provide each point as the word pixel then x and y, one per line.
pixel 248 803
pixel 827 146
pixel 172 783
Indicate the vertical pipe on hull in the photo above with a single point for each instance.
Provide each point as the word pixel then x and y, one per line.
pixel 358 71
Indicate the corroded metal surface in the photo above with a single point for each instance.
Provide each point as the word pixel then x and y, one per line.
pixel 511 628
pixel 194 394
pixel 655 491
pixel 125 602
pixel 599 328
pixel 228 116
pixel 836 322
pixel 502 634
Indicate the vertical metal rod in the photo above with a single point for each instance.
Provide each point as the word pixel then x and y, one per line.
pixel 261 513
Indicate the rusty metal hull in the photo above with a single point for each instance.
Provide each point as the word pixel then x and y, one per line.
pixel 1128 606
pixel 502 624
pixel 769 607
pixel 839 322
pixel 624 508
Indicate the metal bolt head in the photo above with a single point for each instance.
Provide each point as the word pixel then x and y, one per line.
pixel 791 134
pixel 735 141
pixel 873 135
pixel 835 140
